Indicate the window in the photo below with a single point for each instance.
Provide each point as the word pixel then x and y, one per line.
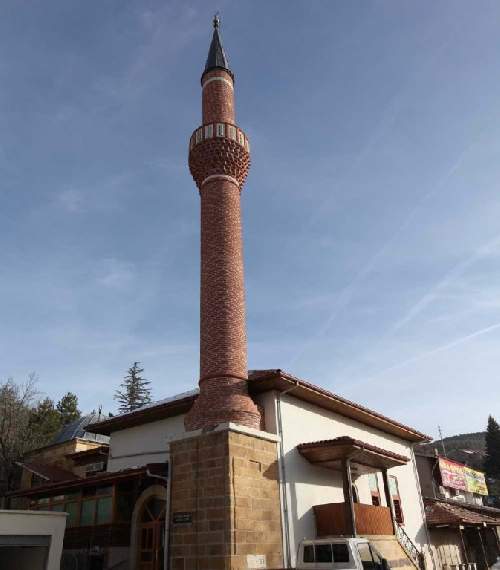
pixel 308 553
pixel 199 135
pixel 73 510
pixel 88 511
pixel 104 510
pixel 374 490
pixel 323 552
pixel 340 553
pixel 231 132
pixel 220 129
pixel 209 131
pixel 396 499
pixel 93 468
pixel 91 506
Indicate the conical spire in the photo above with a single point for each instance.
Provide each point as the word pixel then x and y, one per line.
pixel 216 55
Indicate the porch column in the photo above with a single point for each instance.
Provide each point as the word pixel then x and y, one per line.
pixel 464 548
pixel 388 499
pixel 497 540
pixel 348 498
pixel 482 547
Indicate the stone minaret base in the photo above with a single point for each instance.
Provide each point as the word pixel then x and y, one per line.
pixel 226 484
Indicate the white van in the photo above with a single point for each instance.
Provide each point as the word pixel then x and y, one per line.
pixel 340 554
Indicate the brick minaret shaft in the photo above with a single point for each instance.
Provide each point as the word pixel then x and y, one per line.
pixel 219 160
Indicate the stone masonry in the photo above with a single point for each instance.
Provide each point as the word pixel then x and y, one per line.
pixel 228 484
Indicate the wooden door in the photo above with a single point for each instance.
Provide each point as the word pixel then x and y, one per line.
pixel 152 535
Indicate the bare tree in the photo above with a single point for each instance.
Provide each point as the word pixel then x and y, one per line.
pixel 16 428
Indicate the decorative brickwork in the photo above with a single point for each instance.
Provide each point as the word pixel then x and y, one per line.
pixel 218 97
pixel 219 156
pixel 219 159
pixel 225 485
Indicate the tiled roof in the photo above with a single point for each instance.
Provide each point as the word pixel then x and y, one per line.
pixel 107 477
pixel 346 440
pixel 446 513
pixel 51 473
pixel 262 381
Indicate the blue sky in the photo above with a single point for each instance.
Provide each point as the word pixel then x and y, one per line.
pixel 371 213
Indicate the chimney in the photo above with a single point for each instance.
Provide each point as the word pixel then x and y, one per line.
pixel 219 159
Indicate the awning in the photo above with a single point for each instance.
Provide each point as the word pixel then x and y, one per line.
pixel 330 453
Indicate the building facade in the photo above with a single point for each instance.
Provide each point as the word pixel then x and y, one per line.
pixel 235 474
pixel 462 529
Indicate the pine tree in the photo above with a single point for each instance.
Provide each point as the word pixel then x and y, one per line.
pixel 68 408
pixel 492 461
pixel 45 421
pixel 135 391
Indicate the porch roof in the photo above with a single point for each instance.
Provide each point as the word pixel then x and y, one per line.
pixel 443 513
pixel 330 452
pixel 106 478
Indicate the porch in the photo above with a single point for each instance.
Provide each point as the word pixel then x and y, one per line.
pixel 353 458
pixel 334 519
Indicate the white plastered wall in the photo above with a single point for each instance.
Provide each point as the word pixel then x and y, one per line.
pixel 147 443
pixel 309 485
pixel 37 523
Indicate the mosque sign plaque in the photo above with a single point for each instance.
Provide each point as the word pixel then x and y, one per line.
pixel 182 518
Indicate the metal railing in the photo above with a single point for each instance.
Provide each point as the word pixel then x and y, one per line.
pixel 411 550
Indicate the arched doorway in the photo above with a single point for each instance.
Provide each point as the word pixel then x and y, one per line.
pixel 151 534
pixel 147 540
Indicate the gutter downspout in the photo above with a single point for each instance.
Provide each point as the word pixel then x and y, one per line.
pixel 421 503
pixel 167 480
pixel 283 481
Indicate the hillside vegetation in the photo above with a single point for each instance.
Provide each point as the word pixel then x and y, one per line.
pixel 468 448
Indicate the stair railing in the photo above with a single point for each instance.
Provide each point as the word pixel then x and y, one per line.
pixel 411 550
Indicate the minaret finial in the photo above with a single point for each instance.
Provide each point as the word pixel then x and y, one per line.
pixel 217 58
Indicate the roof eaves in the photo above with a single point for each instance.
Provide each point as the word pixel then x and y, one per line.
pixel 404 431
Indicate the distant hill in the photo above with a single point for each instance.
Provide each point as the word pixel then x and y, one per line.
pixel 467 448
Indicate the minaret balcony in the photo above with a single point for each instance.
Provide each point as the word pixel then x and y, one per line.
pixel 219 130
pixel 219 149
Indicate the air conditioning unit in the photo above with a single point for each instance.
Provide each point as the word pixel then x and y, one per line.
pixel 92 468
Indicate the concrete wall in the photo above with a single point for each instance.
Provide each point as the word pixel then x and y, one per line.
pixel 425 467
pixel 308 485
pixel 34 523
pixel 147 443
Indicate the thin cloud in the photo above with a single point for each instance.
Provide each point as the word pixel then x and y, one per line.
pixel 345 296
pixel 71 200
pixel 443 348
pixel 485 250
pixel 117 274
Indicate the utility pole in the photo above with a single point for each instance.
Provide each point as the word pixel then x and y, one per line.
pixel 442 442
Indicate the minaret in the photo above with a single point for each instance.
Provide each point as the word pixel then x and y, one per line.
pixel 219 160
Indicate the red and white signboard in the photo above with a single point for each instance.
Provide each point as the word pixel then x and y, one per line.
pixel 452 474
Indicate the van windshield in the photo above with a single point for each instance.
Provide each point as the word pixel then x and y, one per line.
pixel 326 553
